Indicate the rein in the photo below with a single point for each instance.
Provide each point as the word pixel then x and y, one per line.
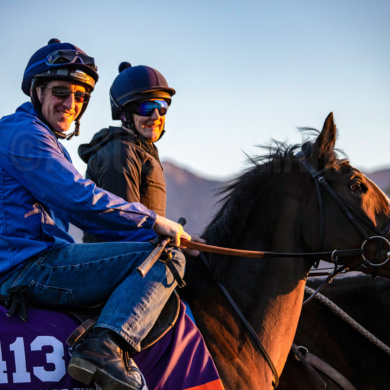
pixel 264 254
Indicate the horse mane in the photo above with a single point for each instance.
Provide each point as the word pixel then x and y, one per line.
pixel 237 195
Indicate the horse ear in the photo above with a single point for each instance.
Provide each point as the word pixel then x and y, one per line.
pixel 323 148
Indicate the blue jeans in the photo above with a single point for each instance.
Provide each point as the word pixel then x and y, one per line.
pixel 87 274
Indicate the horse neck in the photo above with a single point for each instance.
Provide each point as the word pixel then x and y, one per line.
pixel 268 291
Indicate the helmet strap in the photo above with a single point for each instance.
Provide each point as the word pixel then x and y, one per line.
pixel 127 122
pixel 34 98
pixel 68 137
pixel 76 131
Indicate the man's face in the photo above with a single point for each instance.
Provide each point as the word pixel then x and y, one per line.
pixel 151 126
pixel 60 112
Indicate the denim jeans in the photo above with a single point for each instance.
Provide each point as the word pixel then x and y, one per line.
pixel 87 274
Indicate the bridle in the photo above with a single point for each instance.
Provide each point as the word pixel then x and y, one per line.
pixel 349 211
pixel 352 215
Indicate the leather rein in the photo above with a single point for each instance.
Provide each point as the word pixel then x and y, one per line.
pixel 352 215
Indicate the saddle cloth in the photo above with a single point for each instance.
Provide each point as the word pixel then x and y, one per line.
pixel 34 355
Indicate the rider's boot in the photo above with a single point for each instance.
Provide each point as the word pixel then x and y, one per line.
pixel 103 358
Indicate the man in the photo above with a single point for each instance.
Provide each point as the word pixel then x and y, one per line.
pixel 124 160
pixel 40 191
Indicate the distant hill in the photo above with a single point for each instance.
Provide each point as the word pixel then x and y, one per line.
pixel 194 198
pixel 190 196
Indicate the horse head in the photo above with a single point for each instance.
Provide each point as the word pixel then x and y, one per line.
pixel 353 211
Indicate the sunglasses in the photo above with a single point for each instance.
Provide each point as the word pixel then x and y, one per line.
pixel 147 108
pixel 61 57
pixel 64 93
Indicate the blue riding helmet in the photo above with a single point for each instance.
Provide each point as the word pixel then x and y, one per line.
pixel 62 61
pixel 59 61
pixel 136 83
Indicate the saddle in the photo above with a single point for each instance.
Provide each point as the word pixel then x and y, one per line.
pixel 89 315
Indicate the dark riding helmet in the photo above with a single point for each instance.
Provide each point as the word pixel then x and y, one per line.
pixel 136 83
pixel 59 61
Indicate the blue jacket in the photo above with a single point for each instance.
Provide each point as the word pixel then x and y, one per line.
pixel 40 191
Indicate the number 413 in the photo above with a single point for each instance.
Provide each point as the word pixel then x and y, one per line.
pixel 21 375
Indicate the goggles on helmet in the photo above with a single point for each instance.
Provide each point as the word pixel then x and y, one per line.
pixel 66 57
pixel 146 108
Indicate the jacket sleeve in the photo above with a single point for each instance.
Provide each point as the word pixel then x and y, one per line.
pixel 32 155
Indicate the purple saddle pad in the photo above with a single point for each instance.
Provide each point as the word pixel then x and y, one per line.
pixel 34 355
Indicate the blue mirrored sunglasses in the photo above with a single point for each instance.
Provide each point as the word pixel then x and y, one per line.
pixel 147 108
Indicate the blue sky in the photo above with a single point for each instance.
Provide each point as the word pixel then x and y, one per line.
pixel 244 71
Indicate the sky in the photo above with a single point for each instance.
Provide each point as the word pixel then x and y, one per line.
pixel 245 71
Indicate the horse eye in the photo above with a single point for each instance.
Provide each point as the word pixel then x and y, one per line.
pixel 356 187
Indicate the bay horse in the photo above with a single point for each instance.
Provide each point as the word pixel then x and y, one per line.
pixel 350 350
pixel 277 206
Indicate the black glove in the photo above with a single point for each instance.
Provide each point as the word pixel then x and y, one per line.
pixel 16 302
